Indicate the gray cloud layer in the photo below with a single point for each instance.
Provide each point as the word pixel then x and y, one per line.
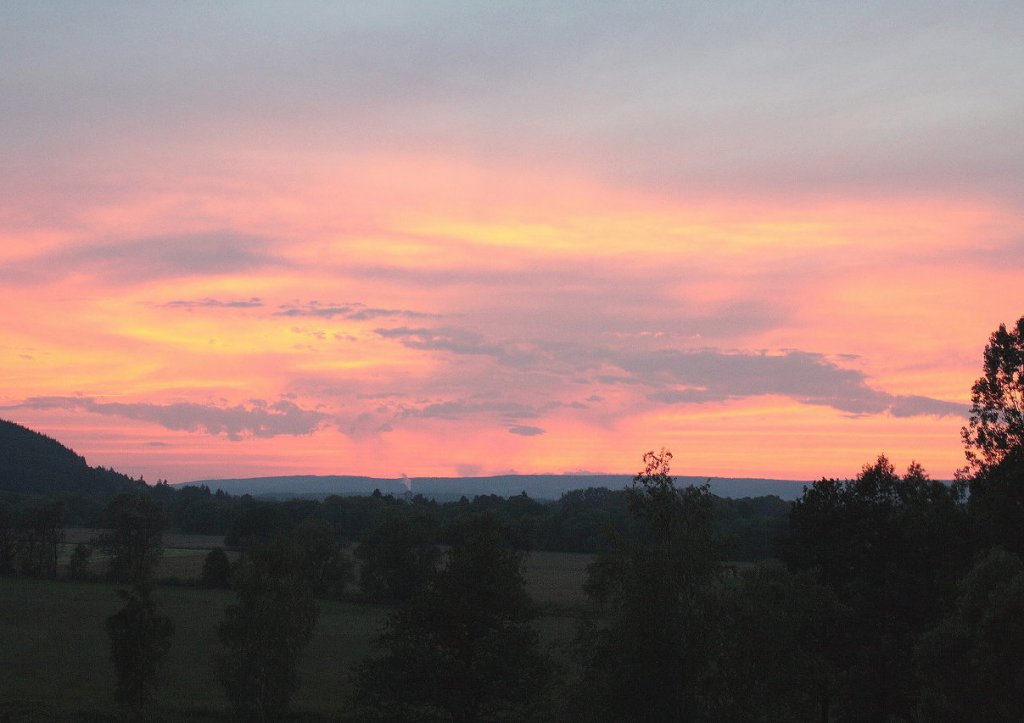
pixel 690 95
pixel 237 422
pixel 209 303
pixel 353 311
pixel 678 376
pixel 125 262
pixel 711 375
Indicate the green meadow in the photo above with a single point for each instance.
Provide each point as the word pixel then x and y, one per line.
pixel 55 651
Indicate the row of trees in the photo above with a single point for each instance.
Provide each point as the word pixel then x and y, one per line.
pixel 30 544
pixel 578 522
pixel 132 543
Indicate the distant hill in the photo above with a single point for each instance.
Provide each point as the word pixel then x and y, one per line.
pixel 540 486
pixel 34 464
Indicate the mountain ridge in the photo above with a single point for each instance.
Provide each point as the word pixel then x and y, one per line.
pixel 538 486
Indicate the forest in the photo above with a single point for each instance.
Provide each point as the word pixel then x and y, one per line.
pixel 890 596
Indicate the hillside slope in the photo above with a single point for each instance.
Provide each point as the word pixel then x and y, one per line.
pixel 34 464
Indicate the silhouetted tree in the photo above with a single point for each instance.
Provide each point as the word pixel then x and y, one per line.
pixel 139 640
pixel 40 534
pixel 326 566
pixel 397 555
pixel 463 648
pixel 216 569
pixel 8 548
pixel 996 504
pixel 647 656
pixel 972 663
pixel 266 632
pixel 258 524
pixel 994 445
pixel 778 637
pixel 134 536
pixel 996 426
pixel 78 565
pixel 891 548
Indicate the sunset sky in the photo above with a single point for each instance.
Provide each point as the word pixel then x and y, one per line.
pixel 463 238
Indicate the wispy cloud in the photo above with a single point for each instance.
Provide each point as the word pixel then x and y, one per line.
pixel 354 311
pixel 253 302
pixel 459 341
pixel 462 408
pixel 526 430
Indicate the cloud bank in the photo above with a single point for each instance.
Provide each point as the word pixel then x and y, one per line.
pixel 259 419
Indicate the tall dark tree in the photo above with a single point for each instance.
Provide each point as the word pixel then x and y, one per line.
pixel 996 426
pixel 216 569
pixel 39 535
pixel 779 644
pixel 258 524
pixel 78 565
pixel 267 630
pixel 994 441
pixel 647 657
pixel 134 536
pixel 325 564
pixel 892 548
pixel 996 505
pixel 8 547
pixel 463 648
pixel 139 640
pixel 972 662
pixel 397 555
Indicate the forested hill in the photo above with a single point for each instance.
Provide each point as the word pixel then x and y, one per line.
pixel 538 486
pixel 34 464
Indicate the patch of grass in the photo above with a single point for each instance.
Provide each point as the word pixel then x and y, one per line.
pixel 55 654
pixel 555 579
pixel 74 535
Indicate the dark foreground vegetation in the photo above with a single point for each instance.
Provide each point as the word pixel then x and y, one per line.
pixel 887 597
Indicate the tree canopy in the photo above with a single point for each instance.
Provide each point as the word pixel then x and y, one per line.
pixel 134 536
pixel 266 631
pixel 996 426
pixel 462 649
pixel 647 652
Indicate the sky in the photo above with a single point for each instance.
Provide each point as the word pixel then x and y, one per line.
pixel 467 238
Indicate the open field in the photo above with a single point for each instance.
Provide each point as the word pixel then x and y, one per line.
pixel 553 579
pixel 172 540
pixel 54 649
pixel 56 657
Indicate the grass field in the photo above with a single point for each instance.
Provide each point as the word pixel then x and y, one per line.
pixel 54 650
pixel 553 579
